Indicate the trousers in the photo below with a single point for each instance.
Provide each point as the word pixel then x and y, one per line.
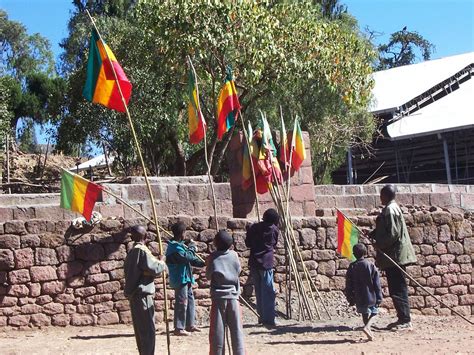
pixel 398 290
pixel 142 309
pixel 226 313
pixel 265 294
pixel 184 313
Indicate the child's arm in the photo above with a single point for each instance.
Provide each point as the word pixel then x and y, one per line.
pixel 209 267
pixel 349 291
pixel 377 285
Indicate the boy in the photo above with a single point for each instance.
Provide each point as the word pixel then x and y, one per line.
pixel 363 287
pixel 141 268
pixel 179 259
pixel 223 270
pixel 262 239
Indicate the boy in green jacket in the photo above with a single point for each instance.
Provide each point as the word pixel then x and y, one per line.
pixel 180 259
pixel 391 237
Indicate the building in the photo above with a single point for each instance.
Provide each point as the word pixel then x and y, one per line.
pixel 426 131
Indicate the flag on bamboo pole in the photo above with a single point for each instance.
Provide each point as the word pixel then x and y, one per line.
pixel 227 105
pixel 247 177
pixel 78 194
pixel 101 87
pixel 196 123
pixel 347 236
pixel 297 145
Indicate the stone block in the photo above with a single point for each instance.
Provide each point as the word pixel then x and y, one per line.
pixel 31 309
pixel 458 289
pixel 69 269
pixel 469 246
pixel 116 211
pixel 97 278
pixel 35 289
pixel 430 234
pixel 43 273
pixel 455 247
pixel 342 202
pixel 7 301
pixel 323 255
pixel 328 222
pixel 327 268
pixel 76 281
pixel 102 307
pixel 308 237
pixel 18 290
pixel 465 279
pixel 53 287
pixel 45 256
pixel 14 227
pixel 64 253
pixel 65 298
pixel 82 319
pixel 49 213
pixel 440 248
pixel 19 320
pixel 90 252
pixel 446 259
pixel 19 276
pixel 200 223
pixel 50 240
pixel 449 279
pixel 466 299
pixel 53 308
pixel 114 251
pixel 331 238
pixel 60 320
pixel 108 287
pixel 111 265
pixel 7 260
pixel 450 300
pixel 30 241
pixel 434 281
pixel 9 241
pixel 463 230
pixel 85 291
pixel 108 318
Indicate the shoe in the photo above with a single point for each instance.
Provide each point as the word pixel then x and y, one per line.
pixel 392 325
pixel 193 330
pixel 403 326
pixel 181 333
pixel 368 332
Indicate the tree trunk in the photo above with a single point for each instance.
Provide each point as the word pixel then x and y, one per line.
pixel 221 150
pixel 180 166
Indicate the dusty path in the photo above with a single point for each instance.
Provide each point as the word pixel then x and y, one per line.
pixel 431 335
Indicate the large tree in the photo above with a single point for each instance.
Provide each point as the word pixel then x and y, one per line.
pixel 30 88
pixel 281 54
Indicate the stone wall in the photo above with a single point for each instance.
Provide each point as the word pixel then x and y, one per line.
pixel 52 275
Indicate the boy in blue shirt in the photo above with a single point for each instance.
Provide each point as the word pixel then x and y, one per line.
pixel 180 259
pixel 363 287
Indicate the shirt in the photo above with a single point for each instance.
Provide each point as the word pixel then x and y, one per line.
pixel 262 239
pixel 223 270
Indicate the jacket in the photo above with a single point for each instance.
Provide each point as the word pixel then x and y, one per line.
pixel 141 268
pixel 179 259
pixel 363 284
pixel 391 237
pixel 223 270
pixel 262 239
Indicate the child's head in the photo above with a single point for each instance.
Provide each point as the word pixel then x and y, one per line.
pixel 138 233
pixel 387 194
pixel 271 216
pixel 359 250
pixel 223 240
pixel 178 230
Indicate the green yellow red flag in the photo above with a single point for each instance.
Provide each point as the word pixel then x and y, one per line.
pixel 228 105
pixel 196 123
pixel 101 87
pixel 347 236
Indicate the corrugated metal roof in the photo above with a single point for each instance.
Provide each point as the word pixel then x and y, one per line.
pixel 394 87
pixel 97 162
pixel 451 112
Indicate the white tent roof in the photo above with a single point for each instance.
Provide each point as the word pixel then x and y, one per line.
pixel 97 162
pixel 453 111
pixel 394 87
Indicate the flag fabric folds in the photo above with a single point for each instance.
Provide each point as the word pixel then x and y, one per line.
pixel 247 177
pixel 196 123
pixel 227 106
pixel 101 87
pixel 78 194
pixel 283 152
pixel 347 236
pixel 297 145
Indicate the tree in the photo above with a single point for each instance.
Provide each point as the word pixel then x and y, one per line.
pixel 283 53
pixel 404 47
pixel 30 87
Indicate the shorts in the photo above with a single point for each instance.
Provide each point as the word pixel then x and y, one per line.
pixel 368 310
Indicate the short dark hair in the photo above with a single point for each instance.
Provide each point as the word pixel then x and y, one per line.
pixel 138 233
pixel 223 240
pixel 388 191
pixel 359 250
pixel 178 229
pixel 271 216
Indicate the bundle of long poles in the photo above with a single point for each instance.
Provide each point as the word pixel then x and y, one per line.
pixel 150 193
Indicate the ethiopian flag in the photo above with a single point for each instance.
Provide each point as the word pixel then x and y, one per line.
pixel 297 145
pixel 78 194
pixel 347 236
pixel 247 157
pixel 228 106
pixel 101 87
pixel 196 122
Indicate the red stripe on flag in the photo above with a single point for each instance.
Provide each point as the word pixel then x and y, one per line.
pixel 340 230
pixel 92 194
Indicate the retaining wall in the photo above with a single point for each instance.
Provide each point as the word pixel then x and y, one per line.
pixel 52 275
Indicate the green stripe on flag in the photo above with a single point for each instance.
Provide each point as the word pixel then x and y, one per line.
pixel 354 238
pixel 94 63
pixel 67 189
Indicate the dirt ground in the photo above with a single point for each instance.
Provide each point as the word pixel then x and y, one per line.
pixel 431 335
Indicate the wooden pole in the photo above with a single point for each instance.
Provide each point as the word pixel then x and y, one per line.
pixel 206 158
pixel 247 141
pixel 150 192
pixel 407 274
pixel 8 161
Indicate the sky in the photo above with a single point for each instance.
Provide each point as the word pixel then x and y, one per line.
pixel 448 24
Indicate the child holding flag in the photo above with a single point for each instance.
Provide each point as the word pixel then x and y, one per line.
pixel 363 287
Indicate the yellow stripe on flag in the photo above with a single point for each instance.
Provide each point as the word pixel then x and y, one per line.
pixel 346 249
pixel 80 188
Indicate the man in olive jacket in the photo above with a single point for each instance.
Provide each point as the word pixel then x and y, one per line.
pixel 391 237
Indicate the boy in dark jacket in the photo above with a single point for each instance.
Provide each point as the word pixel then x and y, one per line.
pixel 363 287
pixel 262 239
pixel 180 259
pixel 223 270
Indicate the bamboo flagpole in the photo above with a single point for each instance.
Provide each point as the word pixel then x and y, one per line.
pixel 150 192
pixel 364 234
pixel 206 158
